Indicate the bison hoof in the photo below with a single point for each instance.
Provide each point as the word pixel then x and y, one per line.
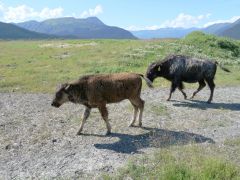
pixel 130 125
pixel 108 133
pixel 168 99
pixel 209 102
pixel 140 124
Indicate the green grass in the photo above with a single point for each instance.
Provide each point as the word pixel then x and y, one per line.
pixel 39 66
pixel 157 109
pixel 233 142
pixel 191 162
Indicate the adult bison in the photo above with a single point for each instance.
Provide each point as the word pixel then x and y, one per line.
pixel 179 69
pixel 95 91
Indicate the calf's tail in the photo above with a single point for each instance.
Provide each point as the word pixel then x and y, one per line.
pixel 223 68
pixel 149 83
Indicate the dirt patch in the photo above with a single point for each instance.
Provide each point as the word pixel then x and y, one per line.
pixel 37 140
pixel 66 45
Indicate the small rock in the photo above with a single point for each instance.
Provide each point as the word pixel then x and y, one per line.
pixel 54 140
pixel 15 145
pixel 8 147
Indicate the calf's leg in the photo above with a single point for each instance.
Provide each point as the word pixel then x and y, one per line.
pixel 84 118
pixel 104 112
pixel 202 84
pixel 138 102
pixel 135 111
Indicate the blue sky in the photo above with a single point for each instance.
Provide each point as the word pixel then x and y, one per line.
pixel 129 14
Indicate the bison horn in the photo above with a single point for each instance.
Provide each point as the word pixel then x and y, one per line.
pixel 67 87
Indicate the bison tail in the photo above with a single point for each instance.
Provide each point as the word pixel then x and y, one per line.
pixel 149 83
pixel 223 68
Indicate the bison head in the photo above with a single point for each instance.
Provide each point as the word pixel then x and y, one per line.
pixel 62 95
pixel 153 71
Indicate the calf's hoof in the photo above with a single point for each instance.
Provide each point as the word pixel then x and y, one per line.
pixel 130 125
pixel 79 133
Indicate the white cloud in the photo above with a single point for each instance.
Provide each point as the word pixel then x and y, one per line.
pixel 135 28
pixel 1 6
pixel 182 20
pixel 23 12
pixel 185 21
pixel 231 20
pixel 92 12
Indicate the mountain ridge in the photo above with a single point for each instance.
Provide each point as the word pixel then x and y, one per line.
pixel 87 28
pixel 11 31
pixel 231 30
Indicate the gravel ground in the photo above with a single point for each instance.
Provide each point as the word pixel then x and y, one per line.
pixel 39 141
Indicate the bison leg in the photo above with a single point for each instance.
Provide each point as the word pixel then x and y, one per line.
pixel 139 103
pixel 211 86
pixel 135 111
pixel 202 84
pixel 104 112
pixel 84 118
pixel 181 87
pixel 174 85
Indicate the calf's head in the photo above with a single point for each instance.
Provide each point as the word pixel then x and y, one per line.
pixel 62 95
pixel 153 71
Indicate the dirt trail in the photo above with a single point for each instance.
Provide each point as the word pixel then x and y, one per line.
pixel 37 140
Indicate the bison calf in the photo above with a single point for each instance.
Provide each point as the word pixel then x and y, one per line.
pixel 95 91
pixel 179 68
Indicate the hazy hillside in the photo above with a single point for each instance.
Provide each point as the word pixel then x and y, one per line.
pixel 233 31
pixel 88 28
pixel 10 31
pixel 216 28
pixel 163 33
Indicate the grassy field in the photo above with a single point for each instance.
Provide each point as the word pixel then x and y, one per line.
pixel 38 66
pixel 191 162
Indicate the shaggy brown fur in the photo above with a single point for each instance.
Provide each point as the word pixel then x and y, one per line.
pixel 95 91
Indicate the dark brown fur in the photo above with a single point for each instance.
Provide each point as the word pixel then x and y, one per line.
pixel 95 91
pixel 179 69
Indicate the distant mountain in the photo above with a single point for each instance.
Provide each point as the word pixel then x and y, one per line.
pixel 89 28
pixel 10 31
pixel 163 33
pixel 233 31
pixel 216 29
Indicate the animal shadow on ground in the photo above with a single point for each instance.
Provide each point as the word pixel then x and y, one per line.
pixel 156 138
pixel 203 105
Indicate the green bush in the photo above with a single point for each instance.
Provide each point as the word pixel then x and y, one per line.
pixel 229 45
